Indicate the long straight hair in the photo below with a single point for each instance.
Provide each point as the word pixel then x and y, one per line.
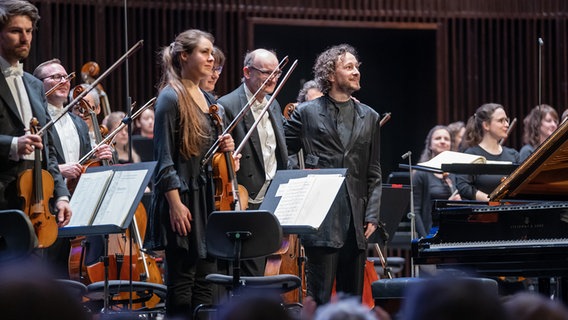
pixel 194 127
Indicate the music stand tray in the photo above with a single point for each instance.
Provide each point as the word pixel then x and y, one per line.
pixel 105 229
pixel 272 199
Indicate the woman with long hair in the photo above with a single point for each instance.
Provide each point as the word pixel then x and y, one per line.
pixel 183 187
pixel 538 125
pixel 429 186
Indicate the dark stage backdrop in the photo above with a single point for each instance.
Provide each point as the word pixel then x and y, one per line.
pixel 393 77
pixel 426 61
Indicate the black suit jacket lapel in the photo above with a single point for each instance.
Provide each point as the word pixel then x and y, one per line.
pixel 248 121
pixel 358 118
pixel 327 122
pixel 6 95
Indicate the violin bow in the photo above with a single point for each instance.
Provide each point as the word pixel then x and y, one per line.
pixel 69 77
pixel 386 117
pixel 126 120
pixel 91 86
pixel 241 114
pixel 511 126
pixel 259 118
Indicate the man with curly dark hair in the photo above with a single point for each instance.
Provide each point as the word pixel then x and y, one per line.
pixel 336 131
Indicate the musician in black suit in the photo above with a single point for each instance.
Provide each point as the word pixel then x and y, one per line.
pixel 71 134
pixel 265 151
pixel 71 142
pixel 21 98
pixel 336 131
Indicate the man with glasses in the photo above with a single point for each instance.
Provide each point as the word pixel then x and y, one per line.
pixel 71 142
pixel 71 138
pixel 265 151
pixel 21 98
pixel 208 84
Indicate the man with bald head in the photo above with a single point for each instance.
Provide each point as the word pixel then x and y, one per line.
pixel 265 151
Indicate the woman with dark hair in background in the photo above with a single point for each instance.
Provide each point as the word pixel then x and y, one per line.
pixel 538 125
pixel 483 132
pixel 428 185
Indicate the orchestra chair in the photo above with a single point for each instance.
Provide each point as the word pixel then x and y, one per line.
pixel 242 235
pixel 119 291
pixel 389 293
pixel 17 236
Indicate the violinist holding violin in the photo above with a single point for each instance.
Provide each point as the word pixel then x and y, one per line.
pixel 265 151
pixel 71 142
pixel 71 137
pixel 183 188
pixel 21 98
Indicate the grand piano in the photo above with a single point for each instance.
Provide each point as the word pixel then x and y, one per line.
pixel 521 231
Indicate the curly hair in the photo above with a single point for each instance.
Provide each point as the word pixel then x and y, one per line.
pixel 532 123
pixel 304 91
pixel 194 126
pixel 427 152
pixel 474 128
pixel 326 63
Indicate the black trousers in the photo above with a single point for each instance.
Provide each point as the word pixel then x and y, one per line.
pixel 343 265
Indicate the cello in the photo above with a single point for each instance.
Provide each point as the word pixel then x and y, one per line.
pixel 89 71
pixel 36 187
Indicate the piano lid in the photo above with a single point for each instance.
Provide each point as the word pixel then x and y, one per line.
pixel 543 175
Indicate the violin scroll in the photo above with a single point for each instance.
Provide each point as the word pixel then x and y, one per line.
pixel 288 109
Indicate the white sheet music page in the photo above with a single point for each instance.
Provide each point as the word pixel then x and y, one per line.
pixel 119 197
pixel 306 201
pixel 88 195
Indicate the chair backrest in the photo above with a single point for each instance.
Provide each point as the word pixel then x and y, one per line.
pixel 399 177
pixel 265 234
pixel 17 236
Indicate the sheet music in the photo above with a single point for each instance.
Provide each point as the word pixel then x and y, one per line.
pixel 306 201
pixel 87 196
pixel 119 197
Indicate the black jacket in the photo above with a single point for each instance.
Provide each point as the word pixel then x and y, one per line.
pixel 312 129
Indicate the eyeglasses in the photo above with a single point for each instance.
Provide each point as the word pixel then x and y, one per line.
pixel 218 69
pixel 276 74
pixel 503 120
pixel 58 77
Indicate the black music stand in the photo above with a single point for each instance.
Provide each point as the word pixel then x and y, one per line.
pixel 273 197
pixel 142 173
pixel 395 200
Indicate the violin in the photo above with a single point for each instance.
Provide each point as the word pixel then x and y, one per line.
pixel 36 187
pixel 229 195
pixel 87 110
